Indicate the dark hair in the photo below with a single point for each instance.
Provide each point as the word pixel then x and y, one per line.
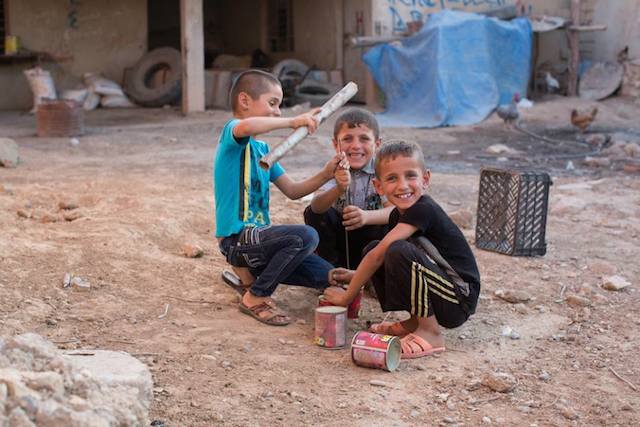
pixel 254 83
pixel 355 117
pixel 394 148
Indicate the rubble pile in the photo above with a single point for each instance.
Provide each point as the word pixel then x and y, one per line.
pixel 39 385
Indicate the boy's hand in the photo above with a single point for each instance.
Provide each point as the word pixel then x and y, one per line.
pixel 353 217
pixel 336 296
pixel 339 276
pixel 306 119
pixel 342 177
pixel 330 167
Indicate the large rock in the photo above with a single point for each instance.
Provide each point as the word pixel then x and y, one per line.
pixel 8 153
pixel 117 369
pixel 41 386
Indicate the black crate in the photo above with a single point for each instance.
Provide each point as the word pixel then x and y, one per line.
pixel 512 212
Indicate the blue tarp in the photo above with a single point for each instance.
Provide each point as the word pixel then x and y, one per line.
pixel 455 71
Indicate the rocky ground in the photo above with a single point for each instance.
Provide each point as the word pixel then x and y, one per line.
pixel 110 213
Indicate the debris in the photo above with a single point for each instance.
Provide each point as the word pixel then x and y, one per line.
pixel 500 149
pixel 499 381
pixel 577 301
pixel 379 383
pixel 615 283
pixel 629 383
pixel 68 205
pixel 521 308
pixel 508 331
pixel 166 311
pixel 192 251
pixel 544 376
pixel 22 213
pixel 525 103
pixel 486 420
pixel 79 283
pixel 301 322
pixel 66 281
pixel 570 166
pixel 568 413
pixel 8 153
pixel 74 141
pixel 46 217
pixel 513 297
pixel 282 341
pixel 72 215
pixel 463 218
pixel 596 161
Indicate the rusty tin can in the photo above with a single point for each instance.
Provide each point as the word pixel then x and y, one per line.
pixel 376 351
pixel 331 327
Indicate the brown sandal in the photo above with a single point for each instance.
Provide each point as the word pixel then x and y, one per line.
pixel 273 317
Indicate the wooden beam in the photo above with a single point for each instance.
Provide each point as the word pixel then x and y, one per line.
pixel 192 42
pixel 582 28
pixel 574 50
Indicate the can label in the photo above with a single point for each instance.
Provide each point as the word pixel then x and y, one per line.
pixel 353 309
pixel 331 327
pixel 376 351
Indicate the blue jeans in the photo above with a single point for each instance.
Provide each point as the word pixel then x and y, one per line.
pixel 277 254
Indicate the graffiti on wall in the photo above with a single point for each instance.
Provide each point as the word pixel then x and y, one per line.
pixel 403 11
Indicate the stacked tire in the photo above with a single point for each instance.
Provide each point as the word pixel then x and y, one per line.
pixel 138 81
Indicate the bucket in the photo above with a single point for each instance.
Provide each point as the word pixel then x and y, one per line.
pixel 331 327
pixel 59 118
pixel 376 351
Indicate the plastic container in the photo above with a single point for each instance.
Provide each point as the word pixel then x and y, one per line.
pixel 512 212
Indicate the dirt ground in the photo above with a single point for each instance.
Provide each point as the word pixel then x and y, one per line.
pixel 142 181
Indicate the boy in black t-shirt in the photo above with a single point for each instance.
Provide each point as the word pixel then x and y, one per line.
pixel 424 265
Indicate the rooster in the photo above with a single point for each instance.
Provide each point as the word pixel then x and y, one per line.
pixel 509 112
pixel 583 120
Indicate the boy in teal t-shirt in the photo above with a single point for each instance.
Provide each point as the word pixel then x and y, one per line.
pixel 264 255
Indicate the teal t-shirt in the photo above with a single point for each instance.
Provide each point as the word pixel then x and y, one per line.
pixel 240 185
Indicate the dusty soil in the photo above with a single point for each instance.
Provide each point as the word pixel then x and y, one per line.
pixel 142 183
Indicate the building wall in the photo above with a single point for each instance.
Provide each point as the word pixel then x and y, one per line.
pixel 91 36
pixel 623 29
pixel 315 28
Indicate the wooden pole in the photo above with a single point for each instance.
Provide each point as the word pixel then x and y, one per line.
pixel 192 42
pixel 574 49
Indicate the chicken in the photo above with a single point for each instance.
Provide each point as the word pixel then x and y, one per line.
pixel 552 84
pixel 509 112
pixel 583 120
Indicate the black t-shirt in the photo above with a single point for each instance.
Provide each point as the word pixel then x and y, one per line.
pixel 434 224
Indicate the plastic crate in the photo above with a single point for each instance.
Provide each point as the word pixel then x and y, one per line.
pixel 512 212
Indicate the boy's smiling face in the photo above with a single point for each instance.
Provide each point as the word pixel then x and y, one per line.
pixel 402 180
pixel 266 105
pixel 358 143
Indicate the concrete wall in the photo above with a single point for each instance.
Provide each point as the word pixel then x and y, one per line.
pixel 623 29
pixel 315 29
pixel 92 36
pixel 241 26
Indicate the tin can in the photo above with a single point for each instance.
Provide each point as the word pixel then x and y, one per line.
pixel 331 327
pixel 353 309
pixel 376 351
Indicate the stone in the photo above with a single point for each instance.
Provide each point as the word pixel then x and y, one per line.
pixel 568 413
pixel 615 283
pixel 508 331
pixel 119 370
pixel 577 300
pixel 23 213
pixel 463 218
pixel 600 267
pixel 68 205
pixel 521 308
pixel 192 251
pixel 632 149
pixel 71 215
pixel 500 149
pixel 378 383
pixel 544 376
pixel 18 418
pixel 46 217
pixel 597 162
pixel 486 420
pixel 8 153
pixel 511 296
pixel 499 381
